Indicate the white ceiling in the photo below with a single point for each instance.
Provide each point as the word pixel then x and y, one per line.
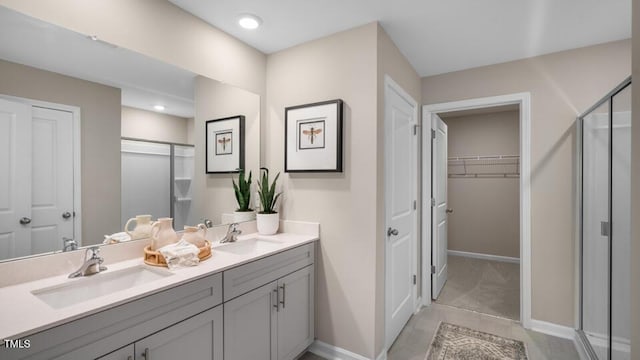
pixel 436 36
pixel 144 81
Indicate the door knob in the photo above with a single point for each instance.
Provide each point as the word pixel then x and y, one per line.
pixel 449 211
pixel 392 231
pixel 25 221
pixel 66 215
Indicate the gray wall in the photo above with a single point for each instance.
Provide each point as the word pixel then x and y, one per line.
pixel 215 100
pixel 350 261
pixel 486 210
pixel 338 66
pixel 100 132
pixel 562 85
pixel 150 125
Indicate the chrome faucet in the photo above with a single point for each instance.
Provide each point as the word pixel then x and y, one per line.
pixel 92 263
pixel 232 234
pixel 69 244
pixel 208 223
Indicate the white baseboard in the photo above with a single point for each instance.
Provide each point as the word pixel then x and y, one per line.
pixel 552 329
pixel 484 256
pixel 331 352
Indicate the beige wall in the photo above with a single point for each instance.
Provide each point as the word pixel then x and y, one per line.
pixel 635 190
pixel 391 62
pixel 158 29
pixel 350 270
pixel 100 133
pixel 562 85
pixel 338 66
pixel 215 100
pixel 486 210
pixel 150 125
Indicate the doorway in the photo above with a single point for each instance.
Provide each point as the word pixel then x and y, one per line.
pixel 481 175
pixel 457 170
pixel 41 180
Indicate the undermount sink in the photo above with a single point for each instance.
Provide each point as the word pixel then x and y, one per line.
pixel 249 246
pixel 90 287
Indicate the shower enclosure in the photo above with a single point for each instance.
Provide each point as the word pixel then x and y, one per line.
pixel 605 225
pixel 157 180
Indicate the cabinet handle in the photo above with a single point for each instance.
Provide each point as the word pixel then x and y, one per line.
pixel 284 294
pixel 275 305
pixel 146 355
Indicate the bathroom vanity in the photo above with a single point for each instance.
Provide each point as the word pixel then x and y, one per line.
pixel 254 299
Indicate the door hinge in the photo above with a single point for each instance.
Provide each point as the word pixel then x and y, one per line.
pixel 433 202
pixel 433 134
pixel 433 269
pixel 414 280
pixel 415 205
pixel 415 129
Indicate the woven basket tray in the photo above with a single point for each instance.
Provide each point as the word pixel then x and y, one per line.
pixel 154 258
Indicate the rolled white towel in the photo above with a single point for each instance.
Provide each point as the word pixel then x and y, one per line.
pixel 180 254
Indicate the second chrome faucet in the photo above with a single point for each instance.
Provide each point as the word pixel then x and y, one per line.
pixel 232 234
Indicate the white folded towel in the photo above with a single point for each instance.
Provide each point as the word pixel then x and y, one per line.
pixel 180 254
pixel 116 238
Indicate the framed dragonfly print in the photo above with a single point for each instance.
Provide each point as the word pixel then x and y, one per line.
pixel 225 145
pixel 313 137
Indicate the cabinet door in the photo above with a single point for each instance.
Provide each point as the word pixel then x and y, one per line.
pixel 197 338
pixel 250 325
pixel 125 353
pixel 295 313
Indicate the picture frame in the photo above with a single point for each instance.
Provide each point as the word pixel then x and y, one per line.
pixel 313 137
pixel 225 145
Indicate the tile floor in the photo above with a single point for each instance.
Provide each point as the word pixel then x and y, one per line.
pixel 489 287
pixel 414 340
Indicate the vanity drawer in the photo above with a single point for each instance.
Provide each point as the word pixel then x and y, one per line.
pixel 245 278
pixel 100 333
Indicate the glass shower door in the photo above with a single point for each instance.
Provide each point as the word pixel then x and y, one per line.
pixel 621 225
pixel 595 229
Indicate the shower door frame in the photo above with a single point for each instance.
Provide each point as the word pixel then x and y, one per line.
pixel 579 196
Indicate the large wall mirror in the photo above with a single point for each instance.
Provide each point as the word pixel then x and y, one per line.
pixel 92 135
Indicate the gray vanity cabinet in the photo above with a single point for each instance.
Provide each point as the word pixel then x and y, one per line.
pixel 125 353
pixel 249 322
pixel 272 322
pixel 261 310
pixel 295 313
pixel 197 338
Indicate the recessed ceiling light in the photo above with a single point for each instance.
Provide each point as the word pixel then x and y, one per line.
pixel 159 107
pixel 249 21
pixel 93 37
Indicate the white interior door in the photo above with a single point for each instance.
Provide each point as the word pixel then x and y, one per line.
pixel 439 194
pixel 400 189
pixel 52 184
pixel 15 179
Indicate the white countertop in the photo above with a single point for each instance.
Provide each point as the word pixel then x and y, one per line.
pixel 22 313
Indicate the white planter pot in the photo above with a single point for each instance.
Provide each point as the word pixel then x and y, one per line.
pixel 240 216
pixel 268 223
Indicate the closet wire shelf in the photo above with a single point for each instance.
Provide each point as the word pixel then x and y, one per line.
pixel 502 166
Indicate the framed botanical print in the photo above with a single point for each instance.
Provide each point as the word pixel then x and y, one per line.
pixel 313 137
pixel 225 145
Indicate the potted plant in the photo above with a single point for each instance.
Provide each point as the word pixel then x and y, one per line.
pixel 243 196
pixel 268 219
